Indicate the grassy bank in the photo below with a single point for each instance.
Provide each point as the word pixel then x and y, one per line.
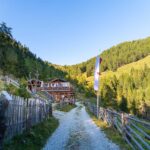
pixel 110 132
pixel 35 138
pixel 67 108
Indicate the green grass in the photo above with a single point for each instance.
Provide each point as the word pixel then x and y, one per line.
pixel 1 85
pixel 146 130
pixel 35 138
pixel 110 132
pixel 67 108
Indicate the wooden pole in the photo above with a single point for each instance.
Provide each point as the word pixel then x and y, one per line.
pixel 97 81
pixel 97 104
pixel 98 97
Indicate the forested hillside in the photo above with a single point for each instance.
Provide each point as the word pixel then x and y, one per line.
pixel 125 80
pixel 18 60
pixel 114 57
pixel 128 89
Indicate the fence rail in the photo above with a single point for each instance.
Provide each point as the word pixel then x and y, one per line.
pixel 9 80
pixel 21 114
pixel 135 132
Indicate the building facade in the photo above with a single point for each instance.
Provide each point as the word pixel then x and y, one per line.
pixel 59 89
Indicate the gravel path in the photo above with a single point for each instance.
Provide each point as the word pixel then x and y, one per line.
pixel 77 131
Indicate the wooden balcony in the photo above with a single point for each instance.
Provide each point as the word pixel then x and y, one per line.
pixel 56 89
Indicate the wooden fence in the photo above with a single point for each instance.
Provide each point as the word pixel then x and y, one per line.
pixel 9 80
pixel 21 114
pixel 135 132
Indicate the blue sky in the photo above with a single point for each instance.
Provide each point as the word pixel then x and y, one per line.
pixel 72 31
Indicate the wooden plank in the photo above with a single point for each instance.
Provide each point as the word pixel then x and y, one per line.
pixel 129 143
pixel 134 140
pixel 112 117
pixel 140 130
pixel 138 136
pixel 139 121
pixel 22 114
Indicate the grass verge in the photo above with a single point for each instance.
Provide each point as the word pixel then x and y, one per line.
pixel 67 108
pixel 35 138
pixel 110 132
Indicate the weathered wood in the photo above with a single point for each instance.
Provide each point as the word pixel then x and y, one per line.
pixel 139 121
pixel 139 137
pixel 139 146
pixel 22 114
pixel 129 143
pixel 123 123
pixel 139 129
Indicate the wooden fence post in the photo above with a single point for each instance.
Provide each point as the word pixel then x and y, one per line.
pixel 123 123
pixel 99 113
pixel 50 109
pixel 112 119
pixel 18 114
pixel 3 126
pixel 105 116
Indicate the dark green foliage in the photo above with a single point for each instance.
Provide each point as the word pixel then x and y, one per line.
pixel 17 59
pixel 123 104
pixel 6 30
pixel 22 91
pixel 89 93
pixel 130 92
pixel 133 107
pixel 125 53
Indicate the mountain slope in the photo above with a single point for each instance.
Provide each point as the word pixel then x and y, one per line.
pixel 138 65
pixel 114 57
pixel 126 89
pixel 19 61
pixel 125 81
